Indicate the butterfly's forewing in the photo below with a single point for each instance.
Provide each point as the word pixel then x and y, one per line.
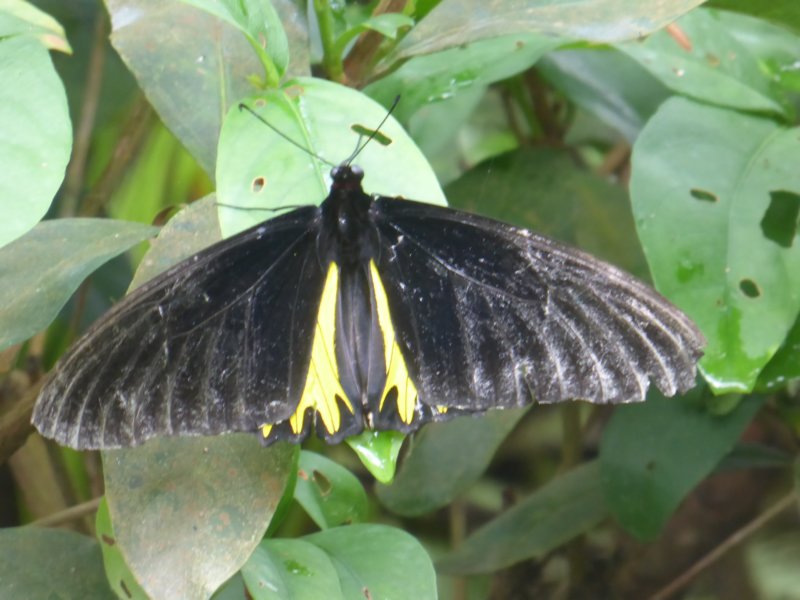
pixel 489 315
pixel 218 343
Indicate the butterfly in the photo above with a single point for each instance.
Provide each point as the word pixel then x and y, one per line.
pixel 364 312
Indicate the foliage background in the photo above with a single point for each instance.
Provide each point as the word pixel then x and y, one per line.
pixel 668 148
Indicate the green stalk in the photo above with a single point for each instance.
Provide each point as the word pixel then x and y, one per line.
pixel 330 59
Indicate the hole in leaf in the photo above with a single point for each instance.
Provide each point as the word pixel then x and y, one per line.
pixel 749 288
pixel 258 184
pixel 703 195
pixel 260 102
pixel 779 223
pixel 323 483
pixel 380 137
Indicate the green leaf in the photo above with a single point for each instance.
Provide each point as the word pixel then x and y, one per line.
pixel 387 24
pixel 436 77
pixel 702 181
pixel 607 84
pixel 329 493
pixel 42 269
pixel 378 451
pixel 564 508
pixel 118 574
pixel 716 68
pixel 191 65
pixel 544 190
pixel 445 459
pixel 37 136
pixel 296 569
pixel 258 168
pixel 456 22
pixel 368 561
pixel 44 564
pixel 784 365
pixel 259 22
pixel 344 563
pixel 188 511
pixel 782 12
pixel 644 483
pixel 18 17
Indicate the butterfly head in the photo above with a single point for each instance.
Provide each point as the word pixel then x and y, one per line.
pixel 347 177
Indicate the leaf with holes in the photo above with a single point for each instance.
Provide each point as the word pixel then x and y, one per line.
pixel 705 186
pixel 329 493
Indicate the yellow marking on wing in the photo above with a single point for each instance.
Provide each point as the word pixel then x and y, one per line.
pixel 396 370
pixel 442 409
pixel 322 381
pixel 266 429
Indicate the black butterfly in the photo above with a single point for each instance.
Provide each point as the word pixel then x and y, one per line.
pixel 363 312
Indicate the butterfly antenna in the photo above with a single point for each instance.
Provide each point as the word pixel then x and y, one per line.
pixel 372 135
pixel 243 106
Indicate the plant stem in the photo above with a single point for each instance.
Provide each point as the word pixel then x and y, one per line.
pixel 330 60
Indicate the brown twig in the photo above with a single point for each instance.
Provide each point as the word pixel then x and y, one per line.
pixel 735 538
pixel 361 57
pixel 72 513
pixel 138 124
pixel 74 178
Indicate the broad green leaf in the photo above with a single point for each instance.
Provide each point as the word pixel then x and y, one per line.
pixel 783 12
pixel 607 84
pixel 544 190
pixel 344 563
pixel 45 564
pixel 436 77
pixel 773 45
pixel 653 454
pixel 705 182
pixel 714 68
pixel 259 22
pixel 377 561
pixel 36 135
pixel 191 65
pixel 567 506
pixel 19 17
pixel 444 460
pixel 42 269
pixel 329 493
pixel 118 574
pixel 258 168
pixel 456 22
pixel 189 511
pixel 282 569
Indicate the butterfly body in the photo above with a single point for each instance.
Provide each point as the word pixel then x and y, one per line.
pixel 367 311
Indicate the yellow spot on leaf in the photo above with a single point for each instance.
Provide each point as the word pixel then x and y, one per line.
pixel 396 371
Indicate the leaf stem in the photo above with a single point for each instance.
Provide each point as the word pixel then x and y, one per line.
pixel 330 59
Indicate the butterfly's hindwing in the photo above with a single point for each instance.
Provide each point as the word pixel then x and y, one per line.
pixel 218 343
pixel 488 315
